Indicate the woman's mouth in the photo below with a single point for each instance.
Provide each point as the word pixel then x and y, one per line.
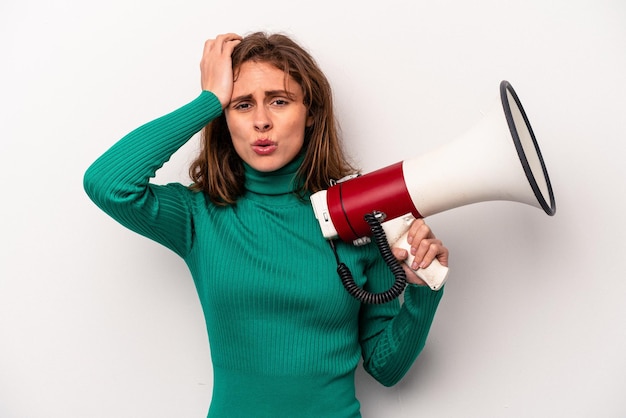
pixel 264 146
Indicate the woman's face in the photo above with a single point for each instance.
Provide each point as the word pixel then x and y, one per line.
pixel 266 116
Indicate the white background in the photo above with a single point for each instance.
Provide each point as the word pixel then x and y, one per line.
pixel 96 321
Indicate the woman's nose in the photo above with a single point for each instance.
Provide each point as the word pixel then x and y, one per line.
pixel 262 120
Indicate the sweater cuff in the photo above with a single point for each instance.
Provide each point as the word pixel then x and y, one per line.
pixel 422 300
pixel 213 101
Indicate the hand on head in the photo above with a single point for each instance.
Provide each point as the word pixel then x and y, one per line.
pixel 216 66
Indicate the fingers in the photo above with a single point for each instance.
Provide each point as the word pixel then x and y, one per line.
pixel 401 255
pixel 216 66
pixel 425 247
pixel 222 44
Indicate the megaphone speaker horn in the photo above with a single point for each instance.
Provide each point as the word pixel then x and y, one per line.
pixel 498 159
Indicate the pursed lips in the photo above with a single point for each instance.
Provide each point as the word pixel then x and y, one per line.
pixel 264 146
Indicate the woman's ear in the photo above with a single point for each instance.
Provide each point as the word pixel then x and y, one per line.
pixel 309 121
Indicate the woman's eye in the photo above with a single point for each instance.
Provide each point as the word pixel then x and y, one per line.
pixel 242 106
pixel 280 102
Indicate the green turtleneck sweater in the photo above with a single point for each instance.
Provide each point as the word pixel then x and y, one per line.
pixel 285 336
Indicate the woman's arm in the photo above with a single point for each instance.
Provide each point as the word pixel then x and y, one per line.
pixel 119 181
pixel 392 336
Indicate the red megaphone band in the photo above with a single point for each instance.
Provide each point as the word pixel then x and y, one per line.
pixel 382 190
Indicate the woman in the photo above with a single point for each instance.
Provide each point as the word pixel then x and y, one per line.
pixel 285 336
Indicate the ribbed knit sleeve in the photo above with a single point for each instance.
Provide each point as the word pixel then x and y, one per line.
pixel 392 336
pixel 119 181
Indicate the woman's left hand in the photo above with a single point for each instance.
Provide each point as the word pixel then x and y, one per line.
pixel 425 247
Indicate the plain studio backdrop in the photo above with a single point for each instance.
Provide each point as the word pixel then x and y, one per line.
pixel 96 321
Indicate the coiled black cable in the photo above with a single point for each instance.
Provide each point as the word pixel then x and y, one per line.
pixel 383 246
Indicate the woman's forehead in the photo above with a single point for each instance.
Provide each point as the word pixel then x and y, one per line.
pixel 254 75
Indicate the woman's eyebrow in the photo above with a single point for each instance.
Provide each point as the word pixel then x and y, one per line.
pixel 271 93
pixel 268 93
pixel 242 97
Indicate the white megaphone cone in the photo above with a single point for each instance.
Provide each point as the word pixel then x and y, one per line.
pixel 498 159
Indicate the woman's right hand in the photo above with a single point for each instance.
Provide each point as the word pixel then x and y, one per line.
pixel 216 66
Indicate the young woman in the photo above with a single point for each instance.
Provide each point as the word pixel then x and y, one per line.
pixel 285 336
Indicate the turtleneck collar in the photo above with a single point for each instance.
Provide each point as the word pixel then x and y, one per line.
pixel 274 183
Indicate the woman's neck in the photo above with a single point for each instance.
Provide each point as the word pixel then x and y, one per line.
pixel 274 183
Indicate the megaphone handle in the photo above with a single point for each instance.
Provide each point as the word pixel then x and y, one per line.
pixel 434 275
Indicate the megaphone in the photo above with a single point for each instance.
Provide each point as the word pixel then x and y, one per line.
pixel 498 159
